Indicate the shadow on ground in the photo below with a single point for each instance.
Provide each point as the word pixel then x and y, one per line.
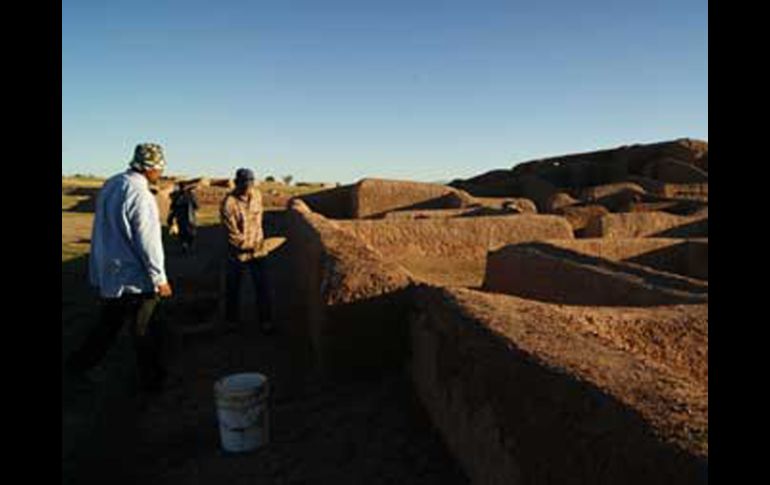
pixel 342 431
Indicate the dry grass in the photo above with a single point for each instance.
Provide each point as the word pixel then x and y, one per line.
pixel 88 182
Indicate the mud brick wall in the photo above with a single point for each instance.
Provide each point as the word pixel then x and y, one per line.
pixel 375 197
pixel 548 273
pixel 428 213
pixel 615 165
pixel 456 237
pixel 348 301
pixel 687 257
pixel 693 191
pixel 684 257
pixel 336 203
pixel 671 170
pixel 163 199
pixel 579 217
pixel 647 224
pixel 523 395
pixel 452 251
pixel 210 195
pixel 520 204
pixel 615 249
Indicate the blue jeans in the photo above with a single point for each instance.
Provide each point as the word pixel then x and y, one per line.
pixel 234 272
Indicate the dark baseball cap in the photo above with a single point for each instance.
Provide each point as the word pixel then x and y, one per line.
pixel 244 175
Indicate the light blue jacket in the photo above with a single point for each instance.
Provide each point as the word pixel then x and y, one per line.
pixel 126 245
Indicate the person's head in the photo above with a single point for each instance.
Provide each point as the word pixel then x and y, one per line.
pixel 149 161
pixel 244 180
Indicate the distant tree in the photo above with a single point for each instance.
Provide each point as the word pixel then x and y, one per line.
pixel 287 179
pixel 269 178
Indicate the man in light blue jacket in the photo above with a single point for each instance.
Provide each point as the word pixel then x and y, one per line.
pixel 126 266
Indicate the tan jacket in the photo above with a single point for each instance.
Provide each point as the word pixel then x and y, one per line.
pixel 242 218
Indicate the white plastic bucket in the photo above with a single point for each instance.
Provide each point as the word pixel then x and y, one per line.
pixel 242 411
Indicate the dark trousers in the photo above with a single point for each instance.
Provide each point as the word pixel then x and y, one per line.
pixel 233 275
pixel 138 311
pixel 187 236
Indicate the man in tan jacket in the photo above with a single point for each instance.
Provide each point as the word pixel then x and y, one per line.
pixel 241 214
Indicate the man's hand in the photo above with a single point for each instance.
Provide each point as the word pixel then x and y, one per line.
pixel 164 290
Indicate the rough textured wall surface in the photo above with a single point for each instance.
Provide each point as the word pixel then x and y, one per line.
pixel 526 392
pixel 671 170
pixel 163 199
pixel 518 204
pixel 453 237
pixel 210 195
pixel 473 207
pixel 428 213
pixel 687 257
pixel 615 249
pixel 597 192
pixel 375 197
pixel 579 217
pixel 349 301
pixel 645 224
pixel 336 203
pixel 682 160
pixel 549 273
pixel 692 191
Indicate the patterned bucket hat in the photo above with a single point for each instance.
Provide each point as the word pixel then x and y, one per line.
pixel 148 155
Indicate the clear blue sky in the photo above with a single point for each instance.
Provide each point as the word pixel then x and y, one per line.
pixel 336 90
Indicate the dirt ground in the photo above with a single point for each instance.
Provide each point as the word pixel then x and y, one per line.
pixel 322 431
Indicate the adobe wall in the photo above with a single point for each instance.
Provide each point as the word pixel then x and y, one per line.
pixel 681 256
pixel 614 165
pixel 347 300
pixel 645 224
pixel 163 199
pixel 519 204
pixel 615 249
pixel 525 392
pixel 452 251
pixel 428 213
pixel 677 168
pixel 693 191
pixel 671 170
pixel 375 197
pixel 210 195
pixel 549 273
pixel 481 207
pixel 579 217
pixel 452 237
pixel 336 203
pixel 522 391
